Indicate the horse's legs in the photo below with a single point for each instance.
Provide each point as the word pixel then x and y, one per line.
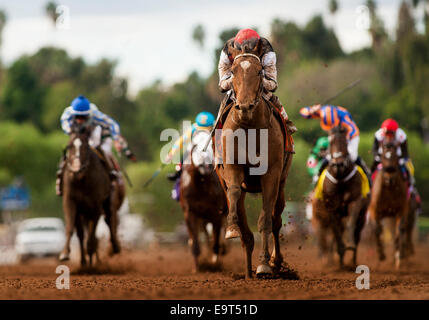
pixel 233 179
pixel 338 232
pixel 247 238
pixel 378 231
pixel 192 223
pixel 232 230
pixel 276 256
pixel 359 226
pixel 91 244
pixel 400 240
pixel 111 218
pixel 81 236
pixel 70 217
pixel 270 190
pixel 217 225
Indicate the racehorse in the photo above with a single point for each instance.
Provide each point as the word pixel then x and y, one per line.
pixel 253 116
pixel 88 193
pixel 389 200
pixel 201 197
pixel 340 202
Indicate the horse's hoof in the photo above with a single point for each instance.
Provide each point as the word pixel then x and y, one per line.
pixel 397 260
pixel 232 232
pixel 264 269
pixel 215 258
pixel 64 257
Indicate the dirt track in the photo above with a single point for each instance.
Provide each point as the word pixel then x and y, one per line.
pixel 165 273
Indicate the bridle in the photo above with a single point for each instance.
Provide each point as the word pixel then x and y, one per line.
pixel 387 155
pixel 261 85
pixel 345 163
pixel 258 95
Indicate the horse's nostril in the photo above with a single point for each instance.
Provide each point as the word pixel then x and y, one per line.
pixel 237 107
pixel 251 106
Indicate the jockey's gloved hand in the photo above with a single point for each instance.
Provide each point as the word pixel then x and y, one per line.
pixel 130 155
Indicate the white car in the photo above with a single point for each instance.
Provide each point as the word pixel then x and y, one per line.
pixel 39 237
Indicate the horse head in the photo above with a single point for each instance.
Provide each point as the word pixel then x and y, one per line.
pixel 247 84
pixel 389 160
pixel 78 150
pixel 200 159
pixel 339 160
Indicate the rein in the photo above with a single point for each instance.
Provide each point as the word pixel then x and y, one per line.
pixel 347 178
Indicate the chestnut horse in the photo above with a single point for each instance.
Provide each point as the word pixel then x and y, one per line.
pixel 389 200
pixel 341 206
pixel 88 193
pixel 252 118
pixel 201 197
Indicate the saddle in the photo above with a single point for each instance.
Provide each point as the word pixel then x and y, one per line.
pixel 365 188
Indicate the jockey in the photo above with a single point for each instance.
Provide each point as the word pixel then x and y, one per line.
pixel 105 134
pixel 390 128
pixel 203 122
pixel 250 38
pixel 331 116
pixel 315 159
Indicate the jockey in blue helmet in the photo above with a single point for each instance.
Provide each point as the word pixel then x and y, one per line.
pixel 105 133
pixel 204 121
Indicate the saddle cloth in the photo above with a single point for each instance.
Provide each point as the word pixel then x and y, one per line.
pixel 365 189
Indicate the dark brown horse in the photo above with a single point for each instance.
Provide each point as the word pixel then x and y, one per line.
pixel 202 198
pixel 259 134
pixel 88 193
pixel 340 207
pixel 389 200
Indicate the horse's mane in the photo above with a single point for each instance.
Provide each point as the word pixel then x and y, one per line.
pixel 338 130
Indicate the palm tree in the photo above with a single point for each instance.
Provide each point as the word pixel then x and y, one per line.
pixel 333 7
pixel 51 11
pixel 198 35
pixel 377 30
pixel 3 19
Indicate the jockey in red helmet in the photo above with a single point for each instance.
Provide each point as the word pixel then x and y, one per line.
pixel 390 128
pixel 247 40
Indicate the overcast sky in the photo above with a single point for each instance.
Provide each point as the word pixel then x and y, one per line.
pixel 152 39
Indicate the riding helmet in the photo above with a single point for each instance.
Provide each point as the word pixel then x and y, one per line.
pixel 81 106
pixel 205 119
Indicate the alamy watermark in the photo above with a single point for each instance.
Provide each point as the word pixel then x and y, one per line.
pixel 241 147
pixel 63 280
pixel 362 282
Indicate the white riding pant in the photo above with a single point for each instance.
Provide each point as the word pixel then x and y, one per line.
pixel 353 148
pixel 106 144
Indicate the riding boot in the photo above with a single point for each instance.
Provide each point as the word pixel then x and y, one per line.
pixel 361 163
pixel 291 128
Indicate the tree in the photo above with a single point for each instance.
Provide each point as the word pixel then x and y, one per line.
pixel 23 94
pixel 3 19
pixel 376 29
pixel 198 35
pixel 405 27
pixel 333 7
pixel 51 11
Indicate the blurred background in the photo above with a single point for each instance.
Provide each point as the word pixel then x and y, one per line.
pixel 151 64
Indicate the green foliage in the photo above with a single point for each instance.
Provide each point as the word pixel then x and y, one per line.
pixel 22 94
